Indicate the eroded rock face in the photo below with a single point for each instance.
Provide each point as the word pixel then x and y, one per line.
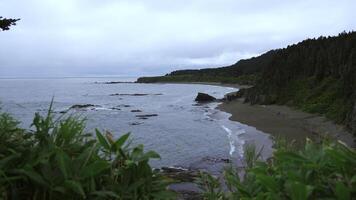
pixel 202 97
pixel 235 95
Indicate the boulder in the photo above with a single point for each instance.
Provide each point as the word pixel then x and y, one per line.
pixel 147 115
pixel 81 106
pixel 202 97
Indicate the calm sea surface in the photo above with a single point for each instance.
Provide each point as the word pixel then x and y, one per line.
pixel 182 132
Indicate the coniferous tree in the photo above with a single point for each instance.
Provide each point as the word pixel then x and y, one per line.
pixel 6 23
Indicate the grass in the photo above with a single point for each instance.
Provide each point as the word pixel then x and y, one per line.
pixel 59 160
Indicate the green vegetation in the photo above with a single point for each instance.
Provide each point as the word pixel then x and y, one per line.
pixel 319 171
pixel 315 75
pixel 243 80
pixel 6 23
pixel 244 72
pixel 58 160
pixel 310 95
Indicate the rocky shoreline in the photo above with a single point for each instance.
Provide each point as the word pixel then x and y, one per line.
pixel 284 121
pixel 272 119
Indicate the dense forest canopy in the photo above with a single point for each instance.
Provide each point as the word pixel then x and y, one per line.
pixel 316 75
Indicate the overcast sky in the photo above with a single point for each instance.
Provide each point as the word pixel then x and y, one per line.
pixel 153 37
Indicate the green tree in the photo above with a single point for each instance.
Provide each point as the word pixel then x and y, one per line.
pixel 6 23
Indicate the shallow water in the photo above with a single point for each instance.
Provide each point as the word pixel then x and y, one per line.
pixel 182 133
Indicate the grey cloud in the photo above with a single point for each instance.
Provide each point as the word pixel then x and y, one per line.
pixel 138 37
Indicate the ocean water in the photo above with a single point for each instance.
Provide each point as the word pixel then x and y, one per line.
pixel 180 130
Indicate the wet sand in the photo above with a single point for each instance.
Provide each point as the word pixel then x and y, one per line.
pixel 286 122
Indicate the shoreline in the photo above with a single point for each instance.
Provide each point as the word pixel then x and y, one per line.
pixel 232 85
pixel 283 121
pixel 286 122
pixel 280 120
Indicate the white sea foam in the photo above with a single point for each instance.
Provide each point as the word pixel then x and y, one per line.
pixel 236 143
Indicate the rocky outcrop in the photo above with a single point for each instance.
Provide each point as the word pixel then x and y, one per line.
pixel 81 106
pixel 184 182
pixel 235 95
pixel 203 98
pixel 146 116
pixel 135 94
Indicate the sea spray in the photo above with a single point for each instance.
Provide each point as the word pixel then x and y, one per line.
pixel 235 141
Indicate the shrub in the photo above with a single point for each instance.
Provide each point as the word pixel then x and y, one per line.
pixel 59 160
pixel 318 171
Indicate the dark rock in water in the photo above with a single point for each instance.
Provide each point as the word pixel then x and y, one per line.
pixel 147 115
pixel 136 123
pixel 135 94
pixel 124 105
pixel 113 82
pixel 217 160
pixel 184 185
pixel 80 106
pixel 114 108
pixel 143 117
pixel 202 97
pixel 136 110
pixel 61 111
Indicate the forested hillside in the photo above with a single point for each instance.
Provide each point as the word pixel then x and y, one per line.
pixel 243 72
pixel 315 75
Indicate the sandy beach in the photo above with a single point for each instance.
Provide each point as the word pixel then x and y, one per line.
pixel 286 122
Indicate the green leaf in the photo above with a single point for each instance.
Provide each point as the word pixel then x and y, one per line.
pixel 152 154
pixel 119 142
pixel 290 157
pixel 102 140
pixel 32 175
pixel 353 179
pixel 63 160
pixel 298 191
pixel 75 187
pixel 342 192
pixel 60 189
pixel 165 195
pixel 6 160
pixel 268 182
pixel 105 194
pixel 94 169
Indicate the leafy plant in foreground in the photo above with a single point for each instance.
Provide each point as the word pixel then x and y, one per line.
pixel 319 171
pixel 58 160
